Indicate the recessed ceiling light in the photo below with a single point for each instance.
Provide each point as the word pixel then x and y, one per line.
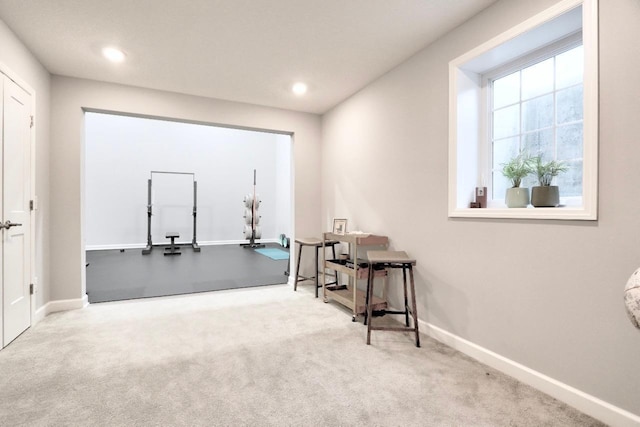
pixel 113 54
pixel 299 88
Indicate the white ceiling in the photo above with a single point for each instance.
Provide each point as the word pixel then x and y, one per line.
pixel 242 50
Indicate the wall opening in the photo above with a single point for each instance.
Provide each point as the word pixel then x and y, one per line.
pixel 122 151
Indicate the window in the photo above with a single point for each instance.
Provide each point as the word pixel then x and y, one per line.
pixel 538 109
pixel 533 88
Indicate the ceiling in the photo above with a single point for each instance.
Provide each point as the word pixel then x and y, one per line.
pixel 241 50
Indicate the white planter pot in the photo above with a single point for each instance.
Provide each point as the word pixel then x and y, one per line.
pixel 517 197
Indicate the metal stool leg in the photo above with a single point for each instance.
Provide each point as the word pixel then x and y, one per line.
pixel 369 303
pixel 295 283
pixel 366 298
pixel 317 271
pixel 406 301
pixel 414 312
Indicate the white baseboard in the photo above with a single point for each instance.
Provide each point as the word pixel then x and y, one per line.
pixel 144 245
pixel 234 242
pixel 115 247
pixel 60 305
pixel 590 405
pixel 40 314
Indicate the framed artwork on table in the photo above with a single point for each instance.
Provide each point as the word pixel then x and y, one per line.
pixel 339 226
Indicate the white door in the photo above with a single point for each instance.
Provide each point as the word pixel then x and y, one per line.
pixel 16 183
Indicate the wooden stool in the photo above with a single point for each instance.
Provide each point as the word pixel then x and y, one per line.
pixel 392 259
pixel 317 243
pixel 173 249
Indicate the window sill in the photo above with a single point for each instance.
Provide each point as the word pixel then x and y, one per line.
pixel 561 213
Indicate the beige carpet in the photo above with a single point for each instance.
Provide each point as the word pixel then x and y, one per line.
pixel 261 356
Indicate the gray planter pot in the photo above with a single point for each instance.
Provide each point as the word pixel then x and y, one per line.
pixel 517 197
pixel 545 197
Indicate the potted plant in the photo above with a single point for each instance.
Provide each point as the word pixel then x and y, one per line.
pixel 546 195
pixel 515 170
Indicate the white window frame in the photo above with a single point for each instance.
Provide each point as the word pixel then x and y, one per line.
pixel 468 112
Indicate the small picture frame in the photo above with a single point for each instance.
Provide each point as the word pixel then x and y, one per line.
pixel 339 226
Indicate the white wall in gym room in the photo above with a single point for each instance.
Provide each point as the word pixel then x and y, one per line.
pixel 121 152
pixel 284 181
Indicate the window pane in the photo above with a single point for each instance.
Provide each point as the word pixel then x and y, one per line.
pixel 506 90
pixel 506 122
pixel 570 182
pixel 504 150
pixel 529 181
pixel 537 113
pixel 569 67
pixel 537 79
pixel 570 141
pixel 569 104
pixel 539 144
pixel 500 185
pixel 539 109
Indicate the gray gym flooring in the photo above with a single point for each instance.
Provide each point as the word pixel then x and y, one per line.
pixel 113 275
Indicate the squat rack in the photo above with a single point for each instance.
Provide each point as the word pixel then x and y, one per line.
pixel 194 243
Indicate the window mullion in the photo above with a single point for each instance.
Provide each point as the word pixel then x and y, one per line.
pixel 555 110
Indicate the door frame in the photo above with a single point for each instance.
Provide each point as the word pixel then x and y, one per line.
pixel 5 70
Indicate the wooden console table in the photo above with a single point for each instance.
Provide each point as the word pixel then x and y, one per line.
pixel 355 268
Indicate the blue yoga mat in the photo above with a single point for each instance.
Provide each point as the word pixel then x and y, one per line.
pixel 273 253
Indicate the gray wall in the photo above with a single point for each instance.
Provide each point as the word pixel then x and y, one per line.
pixel 19 60
pixel 70 96
pixel 546 294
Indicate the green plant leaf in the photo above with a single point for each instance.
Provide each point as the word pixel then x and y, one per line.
pixel 517 168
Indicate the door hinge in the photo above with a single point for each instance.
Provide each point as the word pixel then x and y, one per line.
pixel 30 205
pixel 31 125
pixel 31 289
